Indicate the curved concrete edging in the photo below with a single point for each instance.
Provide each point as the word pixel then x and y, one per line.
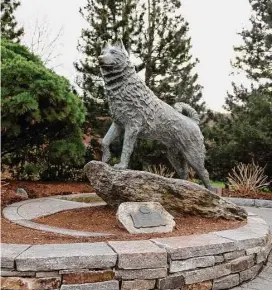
pixel 217 260
pixel 250 202
pixel 23 212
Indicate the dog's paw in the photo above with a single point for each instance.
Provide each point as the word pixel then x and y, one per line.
pixel 106 157
pixel 120 166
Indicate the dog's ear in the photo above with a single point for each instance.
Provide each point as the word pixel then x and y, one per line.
pixel 105 45
pixel 119 43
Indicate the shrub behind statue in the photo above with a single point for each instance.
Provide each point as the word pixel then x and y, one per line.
pixel 138 113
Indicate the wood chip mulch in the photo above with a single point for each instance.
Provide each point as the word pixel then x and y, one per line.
pixel 103 219
pixel 96 219
pixel 36 189
pixel 257 195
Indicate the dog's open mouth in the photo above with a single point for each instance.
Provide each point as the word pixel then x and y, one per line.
pixel 106 65
pixel 102 63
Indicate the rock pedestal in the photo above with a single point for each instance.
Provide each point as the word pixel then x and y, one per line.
pixel 179 197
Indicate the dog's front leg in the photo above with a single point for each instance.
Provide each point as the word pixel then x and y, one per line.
pixel 130 137
pixel 113 132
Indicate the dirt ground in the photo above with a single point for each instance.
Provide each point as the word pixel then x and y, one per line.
pixel 91 219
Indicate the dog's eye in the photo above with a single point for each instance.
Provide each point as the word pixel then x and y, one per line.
pixel 113 51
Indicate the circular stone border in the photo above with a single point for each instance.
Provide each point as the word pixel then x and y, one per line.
pixel 218 260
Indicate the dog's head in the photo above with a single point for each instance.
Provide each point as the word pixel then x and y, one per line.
pixel 113 55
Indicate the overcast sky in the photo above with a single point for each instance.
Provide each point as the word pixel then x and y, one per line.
pixel 213 27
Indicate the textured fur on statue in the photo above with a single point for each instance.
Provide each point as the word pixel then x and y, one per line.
pixel 138 113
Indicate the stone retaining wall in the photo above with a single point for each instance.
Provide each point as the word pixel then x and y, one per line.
pixel 218 260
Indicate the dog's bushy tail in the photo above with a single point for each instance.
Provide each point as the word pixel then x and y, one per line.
pixel 190 112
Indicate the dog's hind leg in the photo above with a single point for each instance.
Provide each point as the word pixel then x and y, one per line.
pixel 113 132
pixel 196 161
pixel 178 162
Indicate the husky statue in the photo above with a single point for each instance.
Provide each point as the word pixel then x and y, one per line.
pixel 138 113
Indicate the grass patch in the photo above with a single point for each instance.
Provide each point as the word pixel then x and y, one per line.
pixel 220 184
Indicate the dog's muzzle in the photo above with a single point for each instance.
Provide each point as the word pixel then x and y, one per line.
pixel 100 59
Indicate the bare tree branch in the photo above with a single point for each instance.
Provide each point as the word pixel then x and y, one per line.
pixel 45 43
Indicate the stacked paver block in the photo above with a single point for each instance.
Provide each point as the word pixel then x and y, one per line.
pixel 140 264
pixel 218 260
pixel 62 266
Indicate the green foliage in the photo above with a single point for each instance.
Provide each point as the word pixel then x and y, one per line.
pixel 164 49
pixel 221 146
pixel 9 28
pixel 31 171
pixel 245 134
pixel 254 56
pixel 41 117
pixel 219 184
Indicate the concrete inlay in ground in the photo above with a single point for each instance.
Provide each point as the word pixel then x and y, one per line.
pixel 23 212
pixel 83 197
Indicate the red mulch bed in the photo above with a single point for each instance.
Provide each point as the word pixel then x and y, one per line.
pixel 95 219
pixel 36 189
pixel 102 219
pixel 258 195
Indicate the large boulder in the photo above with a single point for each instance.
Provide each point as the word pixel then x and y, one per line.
pixel 179 197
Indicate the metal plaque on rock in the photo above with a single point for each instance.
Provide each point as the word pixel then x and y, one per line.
pixel 146 218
